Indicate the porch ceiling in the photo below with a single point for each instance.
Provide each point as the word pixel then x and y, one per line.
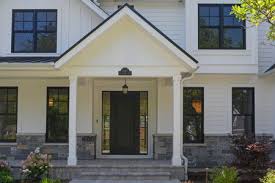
pixel 126 39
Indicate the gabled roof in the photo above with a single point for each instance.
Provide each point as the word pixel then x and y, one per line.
pixel 28 59
pixel 126 9
pixel 271 68
pixel 91 4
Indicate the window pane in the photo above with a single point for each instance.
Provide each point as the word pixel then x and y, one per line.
pixel 8 114
pixel 193 115
pixel 3 95
pixel 28 26
pixel 243 125
pixel 192 129
pixel 41 16
pixel 63 94
pixel 23 42
pixel 227 10
pixel 209 38
pixel 51 26
pixel 7 128
pixel 243 110
pixel 214 11
pixel 12 107
pixel 18 26
pixel 41 26
pixel 12 95
pixel 28 16
pixel 57 115
pixel 233 38
pixel 46 42
pixel 204 11
pixel 3 107
pixel 51 16
pixel 214 21
pixel 18 16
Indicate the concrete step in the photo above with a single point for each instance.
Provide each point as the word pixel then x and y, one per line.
pixel 125 181
pixel 117 175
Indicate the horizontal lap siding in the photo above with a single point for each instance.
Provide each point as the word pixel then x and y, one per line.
pixel 266 49
pixel 169 17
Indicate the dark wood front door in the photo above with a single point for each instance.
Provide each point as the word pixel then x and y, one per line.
pixel 124 123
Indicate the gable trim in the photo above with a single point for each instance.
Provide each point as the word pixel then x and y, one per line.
pixel 270 69
pixel 175 48
pixel 98 10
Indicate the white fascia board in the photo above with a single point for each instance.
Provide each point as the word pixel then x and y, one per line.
pixel 95 8
pixel 127 12
pixel 27 66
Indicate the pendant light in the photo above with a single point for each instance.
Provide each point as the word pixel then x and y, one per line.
pixel 125 88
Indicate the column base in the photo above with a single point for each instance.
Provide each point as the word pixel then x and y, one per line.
pixel 72 161
pixel 176 161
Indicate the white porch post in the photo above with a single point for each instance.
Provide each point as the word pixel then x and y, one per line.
pixel 177 115
pixel 72 159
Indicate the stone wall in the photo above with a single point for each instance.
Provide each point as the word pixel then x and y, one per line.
pixel 162 146
pixel 25 143
pixel 215 151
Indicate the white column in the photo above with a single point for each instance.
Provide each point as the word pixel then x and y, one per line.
pixel 177 120
pixel 72 159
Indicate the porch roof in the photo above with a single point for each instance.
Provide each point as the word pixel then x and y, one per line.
pixel 270 68
pixel 127 10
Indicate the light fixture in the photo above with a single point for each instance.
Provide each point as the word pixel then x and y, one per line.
pixel 125 88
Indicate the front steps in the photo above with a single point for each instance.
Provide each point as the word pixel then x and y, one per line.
pixel 125 181
pixel 130 173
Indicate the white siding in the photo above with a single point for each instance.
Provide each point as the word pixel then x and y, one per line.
pixel 168 16
pixel 266 49
pixel 218 102
pixel 32 102
pixel 74 20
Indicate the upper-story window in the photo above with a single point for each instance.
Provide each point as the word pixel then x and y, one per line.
pixel 218 29
pixel 34 31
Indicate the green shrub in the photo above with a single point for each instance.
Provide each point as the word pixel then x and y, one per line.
pixel 224 175
pixel 47 180
pixel 269 177
pixel 5 173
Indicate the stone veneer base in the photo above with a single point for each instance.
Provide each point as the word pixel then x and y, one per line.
pixel 215 151
pixel 25 143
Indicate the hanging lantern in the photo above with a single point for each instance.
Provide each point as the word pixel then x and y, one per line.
pixel 125 88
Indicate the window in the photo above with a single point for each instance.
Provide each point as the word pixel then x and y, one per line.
pixel 8 114
pixel 243 111
pixel 193 110
pixel 34 31
pixel 57 114
pixel 218 29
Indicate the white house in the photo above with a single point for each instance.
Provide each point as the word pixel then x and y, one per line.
pixel 152 79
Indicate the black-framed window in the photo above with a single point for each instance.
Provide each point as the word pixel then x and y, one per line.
pixel 8 114
pixel 34 31
pixel 57 114
pixel 193 115
pixel 243 111
pixel 218 29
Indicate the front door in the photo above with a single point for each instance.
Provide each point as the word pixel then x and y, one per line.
pixel 124 123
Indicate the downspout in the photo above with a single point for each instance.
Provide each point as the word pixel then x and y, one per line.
pixel 185 77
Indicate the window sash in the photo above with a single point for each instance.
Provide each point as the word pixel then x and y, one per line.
pixel 221 27
pixel 244 114
pixel 8 114
pixel 194 115
pixel 34 30
pixel 57 115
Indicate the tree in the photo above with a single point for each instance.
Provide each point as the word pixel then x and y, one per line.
pixel 257 12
